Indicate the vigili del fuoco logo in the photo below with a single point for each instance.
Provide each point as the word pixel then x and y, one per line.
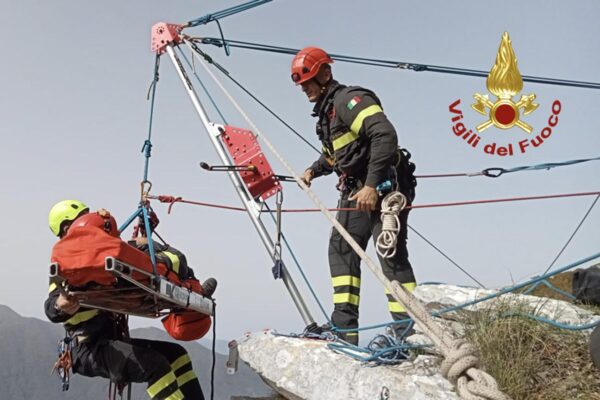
pixel 504 82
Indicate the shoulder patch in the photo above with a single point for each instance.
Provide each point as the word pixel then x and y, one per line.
pixel 353 102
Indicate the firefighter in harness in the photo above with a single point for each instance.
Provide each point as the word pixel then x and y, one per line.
pixel 360 145
pixel 98 345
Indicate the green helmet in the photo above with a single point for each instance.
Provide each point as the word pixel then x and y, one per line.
pixel 65 211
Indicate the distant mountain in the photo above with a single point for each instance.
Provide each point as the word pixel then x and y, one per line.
pixel 28 349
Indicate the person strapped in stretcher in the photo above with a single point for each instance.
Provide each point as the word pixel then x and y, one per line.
pixel 100 344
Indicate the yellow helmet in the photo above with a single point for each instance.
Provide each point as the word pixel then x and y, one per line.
pixel 63 211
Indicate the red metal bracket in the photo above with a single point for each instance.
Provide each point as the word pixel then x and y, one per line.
pixel 243 146
pixel 164 34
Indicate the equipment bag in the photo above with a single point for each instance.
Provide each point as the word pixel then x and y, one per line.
pixel 187 325
pixel 586 285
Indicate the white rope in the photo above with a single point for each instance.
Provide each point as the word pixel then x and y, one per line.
pixel 391 206
pixel 462 357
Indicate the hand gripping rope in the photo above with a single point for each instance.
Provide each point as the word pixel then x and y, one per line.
pixel 391 206
pixel 460 365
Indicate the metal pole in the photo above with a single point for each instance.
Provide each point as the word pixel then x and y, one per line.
pixel 252 208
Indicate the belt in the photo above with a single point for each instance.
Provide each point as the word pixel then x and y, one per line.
pixel 348 184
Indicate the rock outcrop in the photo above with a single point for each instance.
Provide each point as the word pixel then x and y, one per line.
pixel 300 368
pixel 308 369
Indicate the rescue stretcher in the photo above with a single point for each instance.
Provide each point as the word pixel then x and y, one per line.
pixel 103 272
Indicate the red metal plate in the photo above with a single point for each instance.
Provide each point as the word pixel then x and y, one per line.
pixel 243 146
pixel 163 34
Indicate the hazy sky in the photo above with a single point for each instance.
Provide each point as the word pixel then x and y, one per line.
pixel 74 117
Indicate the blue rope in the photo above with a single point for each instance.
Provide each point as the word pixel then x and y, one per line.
pixel 558 290
pixel 554 323
pixel 150 240
pixel 226 13
pixel 147 148
pixel 497 172
pixel 568 241
pixel 143 211
pixel 396 64
pixel 550 286
pixel 130 219
pixel 382 349
pixel 214 104
pixel 485 298
pixel 300 269
pixel 518 286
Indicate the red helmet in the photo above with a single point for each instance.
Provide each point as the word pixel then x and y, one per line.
pixel 107 224
pixel 307 62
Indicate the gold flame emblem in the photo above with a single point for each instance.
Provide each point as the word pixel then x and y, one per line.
pixel 504 81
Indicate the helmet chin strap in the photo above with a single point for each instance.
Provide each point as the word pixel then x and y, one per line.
pixel 323 86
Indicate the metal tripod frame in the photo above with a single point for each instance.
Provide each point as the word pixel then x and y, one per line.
pixel 252 206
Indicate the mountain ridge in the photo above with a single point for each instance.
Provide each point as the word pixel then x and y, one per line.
pixel 28 349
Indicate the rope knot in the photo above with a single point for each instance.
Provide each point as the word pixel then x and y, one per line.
pixel 460 368
pixel 460 358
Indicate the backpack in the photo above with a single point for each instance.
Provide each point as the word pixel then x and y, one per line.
pixel 586 285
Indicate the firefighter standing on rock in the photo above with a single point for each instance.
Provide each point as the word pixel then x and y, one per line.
pixel 360 144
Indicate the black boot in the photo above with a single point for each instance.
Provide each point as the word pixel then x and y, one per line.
pixel 208 287
pixel 350 337
pixel 402 330
pixel 313 328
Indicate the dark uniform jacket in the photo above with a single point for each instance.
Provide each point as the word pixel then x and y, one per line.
pixel 358 140
pixel 86 321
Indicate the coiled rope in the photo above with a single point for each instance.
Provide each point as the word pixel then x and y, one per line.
pixel 462 361
pixel 391 206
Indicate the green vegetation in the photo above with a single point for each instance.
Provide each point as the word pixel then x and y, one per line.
pixel 532 360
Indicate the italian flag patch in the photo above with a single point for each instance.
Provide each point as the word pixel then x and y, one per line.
pixel 355 100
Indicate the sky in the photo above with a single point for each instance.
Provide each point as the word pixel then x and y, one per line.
pixel 74 117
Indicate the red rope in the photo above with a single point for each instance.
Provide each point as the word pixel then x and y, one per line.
pixel 172 200
pixel 447 175
pixel 507 199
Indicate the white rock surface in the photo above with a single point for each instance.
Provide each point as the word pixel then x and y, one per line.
pixel 307 369
pixel 442 296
